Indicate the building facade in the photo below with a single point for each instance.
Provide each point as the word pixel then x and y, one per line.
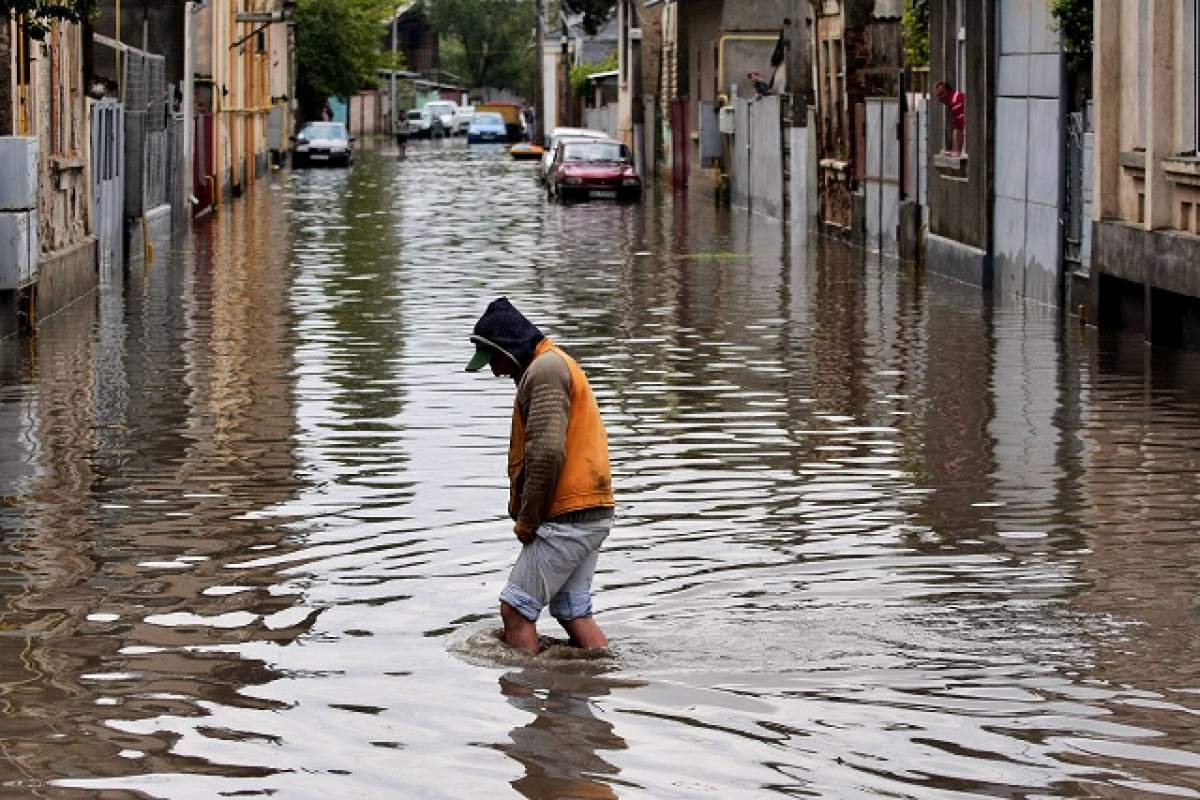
pixel 1146 240
pixel 48 258
pixel 996 194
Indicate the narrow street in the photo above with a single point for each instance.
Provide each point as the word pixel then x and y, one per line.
pixel 876 536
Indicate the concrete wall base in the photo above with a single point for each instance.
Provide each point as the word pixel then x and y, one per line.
pixel 157 228
pixel 1163 259
pixel 910 231
pixel 1077 294
pixel 958 261
pixel 858 219
pixel 8 313
pixel 65 276
pixel 1134 270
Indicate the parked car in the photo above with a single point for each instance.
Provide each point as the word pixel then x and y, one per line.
pixel 444 110
pixel 487 126
pixel 513 119
pixel 323 142
pixel 584 167
pixel 420 123
pixel 462 119
pixel 555 137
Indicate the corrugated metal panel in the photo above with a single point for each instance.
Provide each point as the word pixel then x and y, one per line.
pixel 107 127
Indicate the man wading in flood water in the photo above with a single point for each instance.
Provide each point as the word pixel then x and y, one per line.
pixel 560 485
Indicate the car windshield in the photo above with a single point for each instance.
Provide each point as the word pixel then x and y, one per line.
pixel 415 115
pixel 326 131
pixel 487 119
pixel 594 151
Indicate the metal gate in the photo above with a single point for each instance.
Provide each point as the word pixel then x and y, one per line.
pixel 757 168
pixel 881 178
pixel 108 150
pixel 1077 221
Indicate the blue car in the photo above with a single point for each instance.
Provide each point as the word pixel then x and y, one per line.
pixel 486 126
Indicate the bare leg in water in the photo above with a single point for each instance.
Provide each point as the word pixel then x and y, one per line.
pixel 519 633
pixel 584 632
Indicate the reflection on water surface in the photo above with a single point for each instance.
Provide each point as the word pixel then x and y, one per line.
pixel 876 537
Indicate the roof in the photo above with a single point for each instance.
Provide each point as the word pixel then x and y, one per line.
pixel 599 76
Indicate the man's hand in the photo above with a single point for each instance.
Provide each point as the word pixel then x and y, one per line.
pixel 524 533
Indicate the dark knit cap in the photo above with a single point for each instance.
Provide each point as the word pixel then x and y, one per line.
pixel 503 329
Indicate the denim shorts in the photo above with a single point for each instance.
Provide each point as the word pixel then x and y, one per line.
pixel 556 569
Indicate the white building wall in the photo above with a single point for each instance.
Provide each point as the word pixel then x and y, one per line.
pixel 1029 153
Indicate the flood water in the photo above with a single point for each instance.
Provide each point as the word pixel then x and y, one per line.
pixel 876 536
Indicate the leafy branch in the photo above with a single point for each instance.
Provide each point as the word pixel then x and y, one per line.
pixel 39 15
pixel 1073 23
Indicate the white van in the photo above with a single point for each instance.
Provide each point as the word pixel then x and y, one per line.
pixel 443 110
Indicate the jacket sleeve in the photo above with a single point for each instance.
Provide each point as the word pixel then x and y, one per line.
pixel 545 402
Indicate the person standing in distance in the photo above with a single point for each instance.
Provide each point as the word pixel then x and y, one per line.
pixel 560 482
pixel 956 101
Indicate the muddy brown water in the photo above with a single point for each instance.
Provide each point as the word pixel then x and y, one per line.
pixel 876 538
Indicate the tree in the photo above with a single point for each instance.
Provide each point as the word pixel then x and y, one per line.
pixel 487 42
pixel 595 12
pixel 1073 21
pixel 40 14
pixel 337 48
pixel 915 23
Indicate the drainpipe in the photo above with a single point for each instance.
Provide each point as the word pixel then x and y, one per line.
pixel 392 106
pixel 539 104
pixel 117 39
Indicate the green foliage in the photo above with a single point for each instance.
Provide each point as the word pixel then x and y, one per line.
pixel 487 42
pixel 40 14
pixel 579 73
pixel 1073 21
pixel 337 48
pixel 915 23
pixel 391 61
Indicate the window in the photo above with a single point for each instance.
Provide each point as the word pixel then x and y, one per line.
pixel 960 45
pixel 950 91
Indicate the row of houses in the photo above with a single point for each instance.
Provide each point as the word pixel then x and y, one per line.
pixel 117 131
pixel 1068 183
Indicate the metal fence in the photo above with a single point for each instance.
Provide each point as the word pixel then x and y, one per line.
pixel 757 169
pixel 881 180
pixel 108 134
pixel 1077 214
pixel 177 171
pixel 603 118
pixel 149 162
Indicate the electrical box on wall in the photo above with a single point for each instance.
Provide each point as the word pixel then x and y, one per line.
pixel 18 249
pixel 725 119
pixel 18 173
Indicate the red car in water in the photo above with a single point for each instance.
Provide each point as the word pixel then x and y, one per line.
pixel 603 168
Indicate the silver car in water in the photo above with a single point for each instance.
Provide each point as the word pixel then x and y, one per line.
pixel 323 143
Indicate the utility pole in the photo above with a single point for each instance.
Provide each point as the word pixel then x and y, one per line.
pixel 395 127
pixel 539 101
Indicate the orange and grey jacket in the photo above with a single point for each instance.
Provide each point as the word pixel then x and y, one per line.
pixel 558 449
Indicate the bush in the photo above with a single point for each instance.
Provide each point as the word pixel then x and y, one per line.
pixel 579 74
